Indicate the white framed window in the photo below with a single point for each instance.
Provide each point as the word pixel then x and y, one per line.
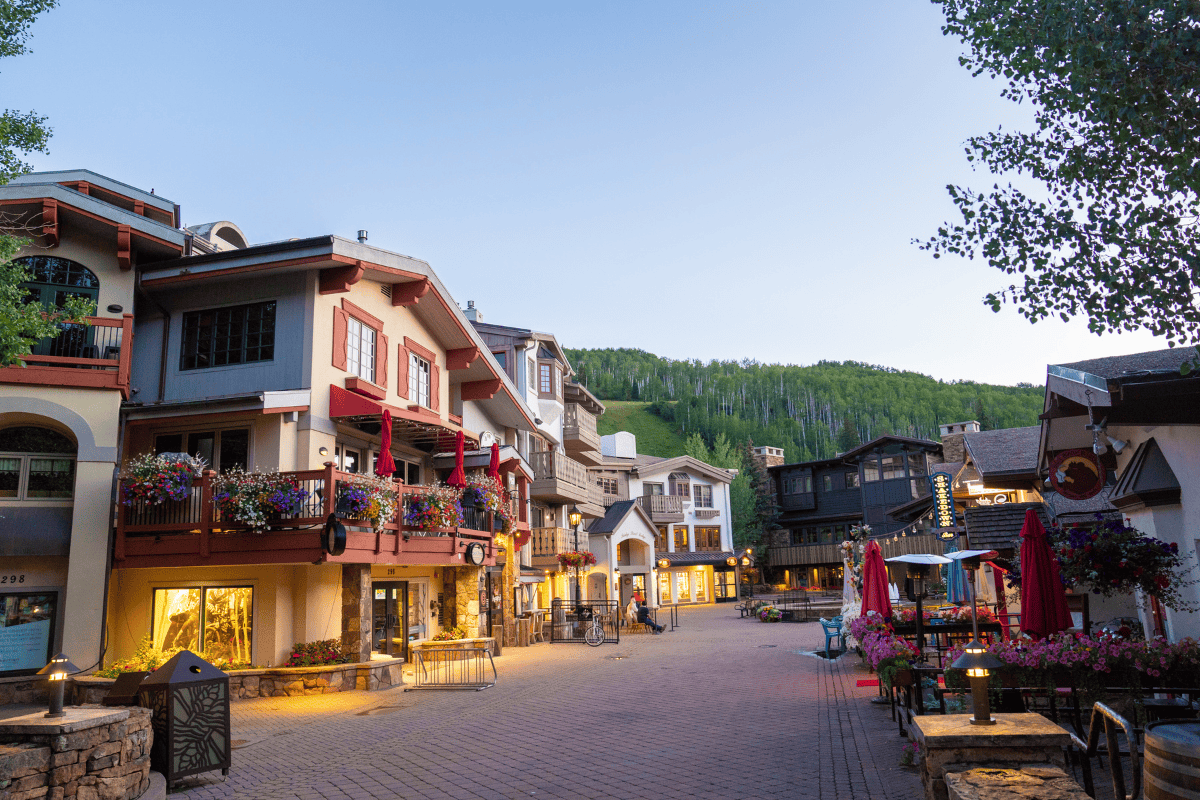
pixel 702 495
pixel 418 380
pixel 36 464
pixel 360 349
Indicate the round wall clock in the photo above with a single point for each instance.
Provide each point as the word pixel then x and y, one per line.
pixel 475 554
pixel 1077 474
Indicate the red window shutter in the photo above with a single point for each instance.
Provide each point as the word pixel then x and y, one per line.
pixel 341 321
pixel 401 370
pixel 435 385
pixel 381 354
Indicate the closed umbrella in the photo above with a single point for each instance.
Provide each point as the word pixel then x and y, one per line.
pixel 876 596
pixel 956 578
pixel 385 466
pixel 1043 598
pixel 458 478
pixel 494 465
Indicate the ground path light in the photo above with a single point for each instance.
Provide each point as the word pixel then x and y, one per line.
pixel 978 663
pixel 57 671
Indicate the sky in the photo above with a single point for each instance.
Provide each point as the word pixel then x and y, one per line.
pixel 700 180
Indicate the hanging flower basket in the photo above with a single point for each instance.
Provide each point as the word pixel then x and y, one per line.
pixel 152 480
pixel 576 559
pixel 367 497
pixel 436 507
pixel 484 493
pixel 257 498
pixel 1108 557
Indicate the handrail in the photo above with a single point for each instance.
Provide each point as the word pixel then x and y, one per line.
pixel 1110 719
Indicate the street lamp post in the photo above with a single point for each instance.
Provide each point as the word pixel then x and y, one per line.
pixel 575 516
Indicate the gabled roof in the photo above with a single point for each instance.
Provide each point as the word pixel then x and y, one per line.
pixel 1134 365
pixel 884 441
pixel 999 527
pixel 686 462
pixel 1147 480
pixel 1005 453
pixel 617 513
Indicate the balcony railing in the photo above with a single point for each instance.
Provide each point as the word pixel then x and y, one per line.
pixel 549 542
pixel 198 520
pixel 579 425
pixel 94 356
pixel 662 504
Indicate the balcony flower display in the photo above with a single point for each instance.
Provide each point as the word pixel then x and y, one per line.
pixel 436 507
pixel 155 479
pixel 256 498
pixel 1109 557
pixel 367 497
pixel 484 493
pixel 576 559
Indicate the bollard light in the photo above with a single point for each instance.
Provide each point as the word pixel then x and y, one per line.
pixel 57 672
pixel 978 663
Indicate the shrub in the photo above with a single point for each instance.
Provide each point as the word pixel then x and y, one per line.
pixel 315 654
pixel 147 658
pixel 450 634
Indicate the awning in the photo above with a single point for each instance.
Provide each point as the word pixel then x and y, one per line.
pixel 421 427
pixel 480 458
pixel 697 559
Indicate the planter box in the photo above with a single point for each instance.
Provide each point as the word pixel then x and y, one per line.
pixel 487 642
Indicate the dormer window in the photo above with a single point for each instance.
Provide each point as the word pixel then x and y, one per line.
pixel 680 484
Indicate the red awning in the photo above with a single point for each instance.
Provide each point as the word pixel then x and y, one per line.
pixel 413 426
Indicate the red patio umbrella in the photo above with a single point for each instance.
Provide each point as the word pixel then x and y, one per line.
pixel 875 583
pixel 1043 599
pixel 385 466
pixel 494 465
pixel 458 478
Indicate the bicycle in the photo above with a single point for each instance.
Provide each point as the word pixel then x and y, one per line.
pixel 594 635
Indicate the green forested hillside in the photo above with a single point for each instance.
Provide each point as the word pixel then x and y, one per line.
pixel 811 412
pixel 655 435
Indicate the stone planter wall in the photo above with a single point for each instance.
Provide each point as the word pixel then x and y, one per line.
pixel 91 754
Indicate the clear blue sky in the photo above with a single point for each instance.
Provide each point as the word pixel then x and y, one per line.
pixel 698 179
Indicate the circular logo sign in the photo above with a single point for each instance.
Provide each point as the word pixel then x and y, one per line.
pixel 1077 474
pixel 333 538
pixel 475 554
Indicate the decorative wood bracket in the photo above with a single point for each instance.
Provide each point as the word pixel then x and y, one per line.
pixel 407 294
pixel 50 222
pixel 480 390
pixel 124 247
pixel 340 279
pixel 461 359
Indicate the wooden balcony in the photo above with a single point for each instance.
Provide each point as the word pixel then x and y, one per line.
pixel 94 357
pixel 558 479
pixel 814 554
pixel 580 437
pixel 663 508
pixel 548 543
pixel 192 533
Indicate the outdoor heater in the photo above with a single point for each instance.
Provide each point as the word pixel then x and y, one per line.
pixel 918 565
pixel 57 671
pixel 188 700
pixel 976 660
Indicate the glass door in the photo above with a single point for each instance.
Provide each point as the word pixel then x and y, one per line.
pixel 725 589
pixel 390 618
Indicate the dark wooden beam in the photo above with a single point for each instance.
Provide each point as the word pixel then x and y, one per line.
pixel 335 280
pixel 461 358
pixel 480 390
pixel 407 294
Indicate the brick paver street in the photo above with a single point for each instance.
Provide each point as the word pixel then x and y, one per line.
pixel 719 708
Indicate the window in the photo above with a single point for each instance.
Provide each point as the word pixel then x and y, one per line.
pixel 27 621
pixel 680 484
pixel 708 539
pixel 347 459
pixel 221 450
pixel 623 553
pixel 826 483
pixel 683 590
pixel 216 621
pixel 681 538
pixel 660 541
pixel 532 374
pixel 545 381
pixel 893 467
pixel 501 359
pixel 664 588
pixel 360 349
pixel 916 463
pixel 219 337
pixel 798 484
pixel 871 469
pixel 702 495
pixel 608 485
pixel 418 380
pixel 851 480
pixel 36 464
pixel 652 488
pixel 52 281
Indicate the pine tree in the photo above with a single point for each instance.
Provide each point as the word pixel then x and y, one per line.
pixel 764 514
pixel 847 437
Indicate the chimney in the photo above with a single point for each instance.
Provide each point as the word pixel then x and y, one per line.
pixel 768 456
pixel 472 313
pixel 953 447
pixel 362 237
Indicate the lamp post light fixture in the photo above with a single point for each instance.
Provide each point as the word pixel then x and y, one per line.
pixel 57 671
pixel 575 517
pixel 978 663
pixel 918 565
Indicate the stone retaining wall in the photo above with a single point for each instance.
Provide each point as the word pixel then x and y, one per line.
pixel 91 754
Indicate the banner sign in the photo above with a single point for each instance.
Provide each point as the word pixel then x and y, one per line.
pixel 941 485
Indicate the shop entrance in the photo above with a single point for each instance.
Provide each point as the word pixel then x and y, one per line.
pixel 389 612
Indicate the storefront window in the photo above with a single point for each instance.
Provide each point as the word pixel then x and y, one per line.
pixel 683 589
pixel 664 588
pixel 701 586
pixel 216 621
pixel 725 587
pixel 26 631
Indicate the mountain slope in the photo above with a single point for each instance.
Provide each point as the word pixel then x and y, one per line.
pixel 655 435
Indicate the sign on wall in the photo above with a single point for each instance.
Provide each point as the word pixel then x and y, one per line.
pixel 941 485
pixel 26 631
pixel 1077 474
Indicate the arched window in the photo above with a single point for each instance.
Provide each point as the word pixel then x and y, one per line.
pixel 36 464
pixel 53 281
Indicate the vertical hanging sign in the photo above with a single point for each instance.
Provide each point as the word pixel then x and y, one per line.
pixel 941 485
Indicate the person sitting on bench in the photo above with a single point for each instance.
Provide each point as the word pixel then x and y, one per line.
pixel 643 616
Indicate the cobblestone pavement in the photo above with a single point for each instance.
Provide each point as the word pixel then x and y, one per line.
pixel 721 707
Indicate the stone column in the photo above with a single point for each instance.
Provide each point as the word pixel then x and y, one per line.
pixel 449 596
pixel 356 611
pixel 466 598
pixel 507 579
